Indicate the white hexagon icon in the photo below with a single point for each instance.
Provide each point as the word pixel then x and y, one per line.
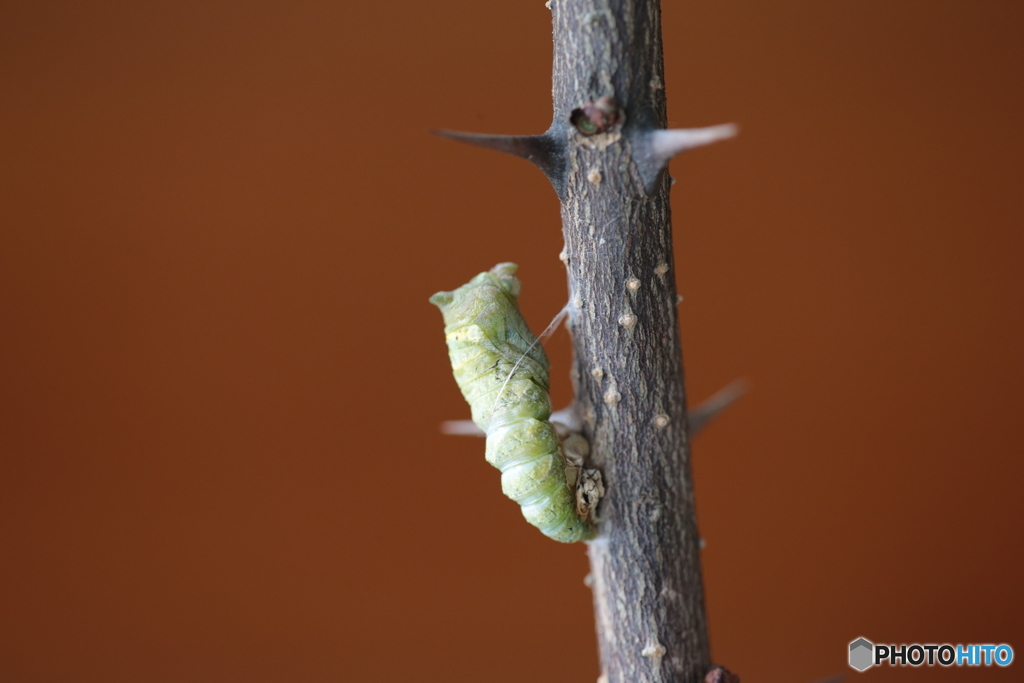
pixel 861 654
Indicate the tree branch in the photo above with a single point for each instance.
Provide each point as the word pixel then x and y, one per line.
pixel 605 154
pixel 648 591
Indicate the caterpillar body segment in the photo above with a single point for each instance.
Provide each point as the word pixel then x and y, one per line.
pixel 503 373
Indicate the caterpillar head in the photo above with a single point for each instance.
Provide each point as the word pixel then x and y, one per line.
pixel 476 297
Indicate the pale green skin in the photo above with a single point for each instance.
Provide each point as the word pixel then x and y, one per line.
pixel 488 338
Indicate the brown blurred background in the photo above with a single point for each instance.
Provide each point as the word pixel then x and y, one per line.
pixel 222 382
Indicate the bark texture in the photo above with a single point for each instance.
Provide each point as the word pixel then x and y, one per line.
pixel 648 591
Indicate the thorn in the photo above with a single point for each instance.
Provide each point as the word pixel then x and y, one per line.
pixel 461 428
pixel 700 416
pixel 659 146
pixel 665 144
pixel 540 150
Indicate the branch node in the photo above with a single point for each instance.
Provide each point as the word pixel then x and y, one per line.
pixel 596 117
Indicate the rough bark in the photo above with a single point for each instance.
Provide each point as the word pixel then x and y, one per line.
pixel 648 592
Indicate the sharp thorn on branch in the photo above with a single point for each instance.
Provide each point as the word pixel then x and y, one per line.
pixel 657 147
pixel 712 407
pixel 461 428
pixel 666 144
pixel 543 151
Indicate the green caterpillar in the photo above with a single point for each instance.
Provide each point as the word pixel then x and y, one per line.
pixel 503 374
